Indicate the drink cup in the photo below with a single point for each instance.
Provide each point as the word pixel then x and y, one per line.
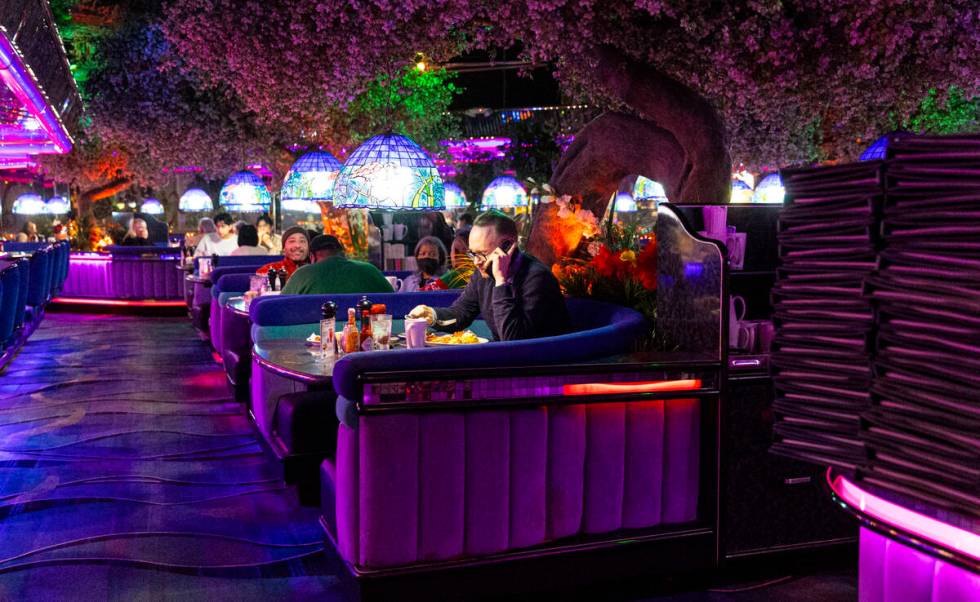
pixel 395 282
pixel 381 329
pixel 415 332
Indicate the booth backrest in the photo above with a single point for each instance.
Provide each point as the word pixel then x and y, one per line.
pixel 23 247
pixel 37 294
pixel 142 250
pixel 256 261
pixel 9 293
pixel 24 267
pixel 602 329
pixel 305 309
pixel 230 283
pixel 232 269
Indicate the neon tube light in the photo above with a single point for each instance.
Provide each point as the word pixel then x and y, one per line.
pixel 118 302
pixel 920 525
pixel 656 386
pixel 18 77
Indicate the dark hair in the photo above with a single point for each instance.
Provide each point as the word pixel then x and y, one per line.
pixel 224 218
pixel 327 242
pixel 248 236
pixel 435 242
pixel 501 223
pixel 265 217
pixel 466 219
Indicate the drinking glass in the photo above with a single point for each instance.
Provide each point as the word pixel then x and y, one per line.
pixel 381 330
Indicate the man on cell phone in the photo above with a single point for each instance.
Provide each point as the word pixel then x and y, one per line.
pixel 516 294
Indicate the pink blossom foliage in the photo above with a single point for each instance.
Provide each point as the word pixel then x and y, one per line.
pixel 796 80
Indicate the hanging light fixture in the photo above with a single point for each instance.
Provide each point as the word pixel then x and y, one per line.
pixel 152 207
pixel 645 189
pixel 195 200
pixel 504 192
pixel 389 171
pixel 29 203
pixel 624 203
pixel 309 180
pixel 244 191
pixel 769 190
pixel 57 205
pixel 455 197
pixel 741 192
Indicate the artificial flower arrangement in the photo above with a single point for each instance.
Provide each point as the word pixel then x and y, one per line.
pixel 614 262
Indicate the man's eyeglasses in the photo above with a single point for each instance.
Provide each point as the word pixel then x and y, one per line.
pixel 478 258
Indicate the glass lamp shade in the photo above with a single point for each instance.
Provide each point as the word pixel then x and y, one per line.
pixel 151 207
pixel 876 150
pixel 455 197
pixel 57 205
pixel 310 179
pixel 624 203
pixel 646 189
pixel 29 204
pixel 195 200
pixel 769 190
pixel 504 192
pixel 244 191
pixel 741 192
pixel 389 172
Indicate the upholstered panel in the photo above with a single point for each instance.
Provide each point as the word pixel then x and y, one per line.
pixel 9 293
pixel 88 277
pixel 115 278
pixel 890 571
pixel 214 322
pixel 266 387
pixel 440 485
pixel 37 294
pixel 24 266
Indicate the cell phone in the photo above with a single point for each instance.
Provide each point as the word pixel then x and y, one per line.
pixel 506 245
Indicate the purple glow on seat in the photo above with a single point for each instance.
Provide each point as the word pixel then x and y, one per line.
pixel 920 525
pixel 44 133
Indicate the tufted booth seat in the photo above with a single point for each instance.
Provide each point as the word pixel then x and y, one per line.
pixel 232 264
pixel 39 283
pixel 230 331
pixel 9 294
pixel 409 488
pixel 241 280
pixel 24 268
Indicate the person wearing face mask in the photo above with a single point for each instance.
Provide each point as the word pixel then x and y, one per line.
pixel 517 295
pixel 295 252
pixel 430 255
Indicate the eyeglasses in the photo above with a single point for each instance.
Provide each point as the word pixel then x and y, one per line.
pixel 478 258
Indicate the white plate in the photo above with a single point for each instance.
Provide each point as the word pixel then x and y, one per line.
pixel 479 340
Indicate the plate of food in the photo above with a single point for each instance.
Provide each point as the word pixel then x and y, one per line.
pixel 313 339
pixel 463 337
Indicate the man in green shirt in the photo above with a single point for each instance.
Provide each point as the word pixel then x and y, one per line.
pixel 333 273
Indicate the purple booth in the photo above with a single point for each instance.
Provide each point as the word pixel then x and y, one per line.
pixel 125 273
pixel 542 456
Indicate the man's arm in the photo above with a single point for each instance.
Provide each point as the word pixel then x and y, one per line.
pixel 465 309
pixel 531 315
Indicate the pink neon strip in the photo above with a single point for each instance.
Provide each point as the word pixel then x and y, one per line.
pixel 18 77
pixel 920 525
pixel 117 302
pixel 657 386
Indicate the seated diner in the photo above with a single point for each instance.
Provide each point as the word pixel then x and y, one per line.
pixel 220 242
pixel 295 251
pixel 333 272
pixel 430 256
pixel 517 295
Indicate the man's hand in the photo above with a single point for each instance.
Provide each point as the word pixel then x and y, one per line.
pixel 500 264
pixel 423 311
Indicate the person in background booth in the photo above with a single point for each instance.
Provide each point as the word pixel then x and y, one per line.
pixel 248 241
pixel 430 255
pixel 138 235
pixel 295 251
pixel 267 237
pixel 334 273
pixel 517 295
pixel 29 233
pixel 221 242
pixel 205 226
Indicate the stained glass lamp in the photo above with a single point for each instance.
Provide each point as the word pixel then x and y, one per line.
pixel 455 197
pixel 195 200
pixel 646 189
pixel 769 190
pixel 244 191
pixel 504 192
pixel 624 203
pixel 310 179
pixel 389 171
pixel 151 207
pixel 741 192
pixel 57 205
pixel 29 204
